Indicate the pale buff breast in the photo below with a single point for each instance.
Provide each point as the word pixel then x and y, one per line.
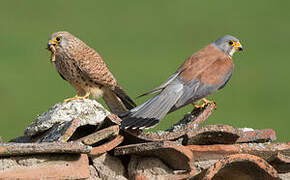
pixel 71 73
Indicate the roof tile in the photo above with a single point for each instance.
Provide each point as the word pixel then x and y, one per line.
pixel 173 153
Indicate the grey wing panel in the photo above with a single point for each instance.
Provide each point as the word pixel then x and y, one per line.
pixel 226 79
pixel 193 91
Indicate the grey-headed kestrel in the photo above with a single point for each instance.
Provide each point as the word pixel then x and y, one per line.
pixel 85 70
pixel 206 71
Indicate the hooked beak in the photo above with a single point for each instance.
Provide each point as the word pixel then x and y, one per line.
pixel 49 44
pixel 238 46
pixel 51 47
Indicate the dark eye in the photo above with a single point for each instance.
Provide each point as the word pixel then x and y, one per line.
pixel 230 43
pixel 57 39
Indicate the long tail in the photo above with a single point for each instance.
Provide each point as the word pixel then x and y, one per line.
pixel 152 111
pixel 128 102
pixel 118 103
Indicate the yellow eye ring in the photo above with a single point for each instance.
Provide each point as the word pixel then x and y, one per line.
pixel 57 39
pixel 231 43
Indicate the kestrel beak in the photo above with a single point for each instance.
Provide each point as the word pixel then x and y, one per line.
pixel 238 46
pixel 51 47
pixel 49 44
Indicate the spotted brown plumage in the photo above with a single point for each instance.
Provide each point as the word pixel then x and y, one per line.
pixel 206 71
pixel 85 70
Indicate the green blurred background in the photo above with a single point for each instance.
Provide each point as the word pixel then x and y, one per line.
pixel 143 42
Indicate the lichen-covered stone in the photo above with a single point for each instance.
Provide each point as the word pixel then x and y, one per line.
pixel 90 112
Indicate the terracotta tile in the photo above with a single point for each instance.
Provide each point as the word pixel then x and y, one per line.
pixel 224 134
pixel 239 166
pixel 107 146
pixel 100 135
pixel 114 119
pixel 263 135
pixel 59 166
pixel 56 132
pixel 140 177
pixel 172 153
pixel 211 152
pixel 10 149
pixel 189 122
pixel 212 134
pixel 74 124
pixel 281 162
pixel 59 132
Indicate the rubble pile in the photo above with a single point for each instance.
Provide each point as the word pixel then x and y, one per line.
pixel 82 140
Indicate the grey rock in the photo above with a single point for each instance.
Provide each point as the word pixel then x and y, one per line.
pixel 90 112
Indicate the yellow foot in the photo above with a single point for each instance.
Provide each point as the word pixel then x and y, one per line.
pixel 77 97
pixel 205 103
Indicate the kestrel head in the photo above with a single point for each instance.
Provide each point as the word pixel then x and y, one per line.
pixel 228 44
pixel 61 41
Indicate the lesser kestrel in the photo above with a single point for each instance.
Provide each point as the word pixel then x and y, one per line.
pixel 85 70
pixel 206 71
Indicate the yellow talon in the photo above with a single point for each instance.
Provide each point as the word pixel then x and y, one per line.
pixel 77 97
pixel 205 103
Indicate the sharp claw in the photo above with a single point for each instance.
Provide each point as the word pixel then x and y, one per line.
pixel 206 102
pixel 77 97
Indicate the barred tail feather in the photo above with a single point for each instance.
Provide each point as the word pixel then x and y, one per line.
pixel 152 111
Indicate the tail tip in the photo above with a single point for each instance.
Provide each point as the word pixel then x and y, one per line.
pixel 139 123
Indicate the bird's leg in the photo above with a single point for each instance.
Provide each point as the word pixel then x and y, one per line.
pixel 78 97
pixel 196 106
pixel 205 103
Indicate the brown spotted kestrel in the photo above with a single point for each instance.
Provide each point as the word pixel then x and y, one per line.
pixel 206 71
pixel 85 70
